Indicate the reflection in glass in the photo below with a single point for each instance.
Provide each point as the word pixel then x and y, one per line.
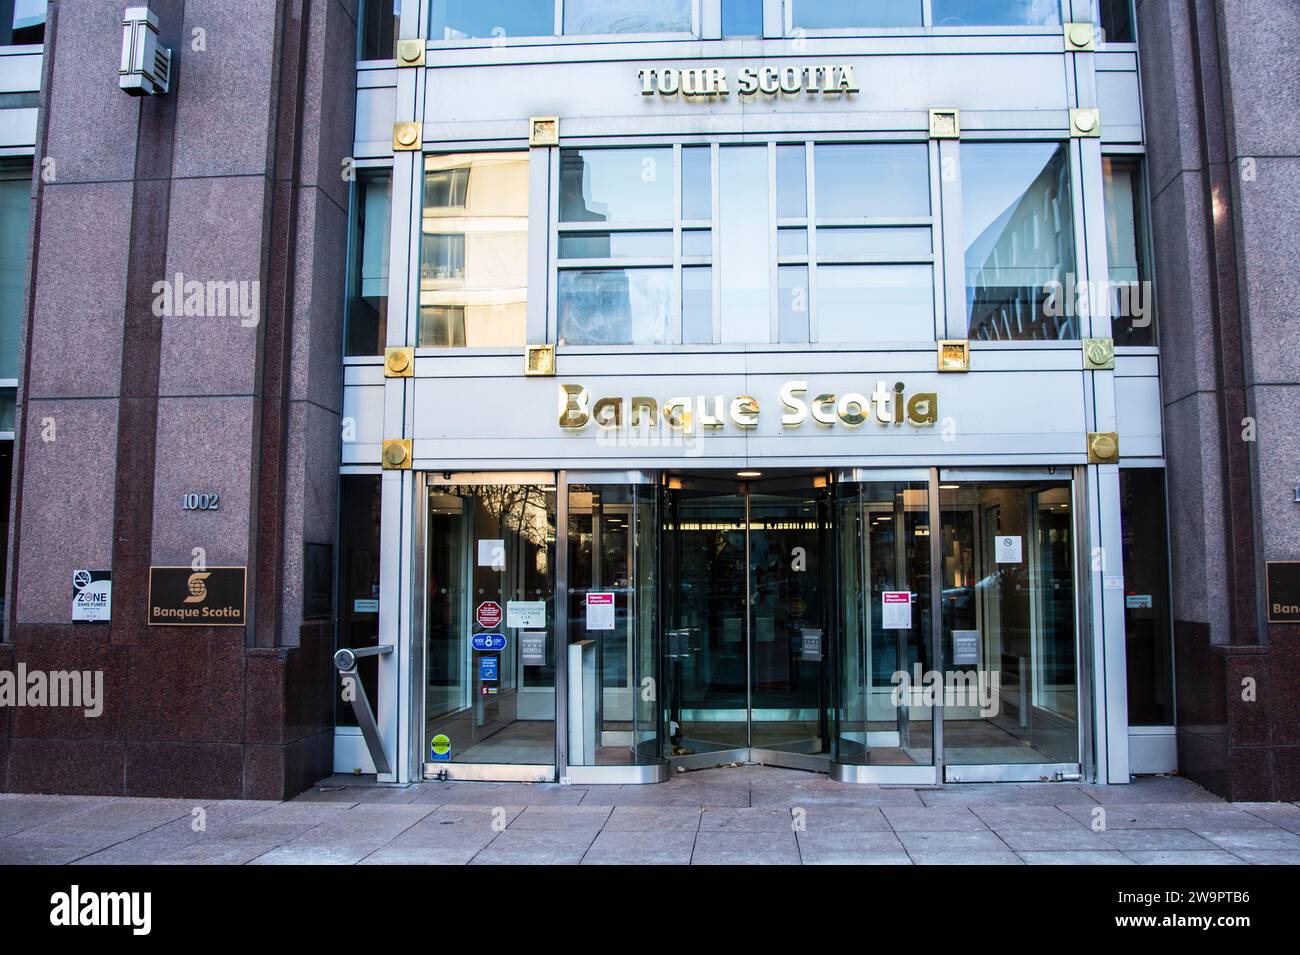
pixel 871 303
pixel 697 305
pixel 1009 620
pixel 616 245
pixel 1149 650
pixel 744 271
pixel 1019 236
pixel 848 14
pixel 697 182
pixel 509 719
pixel 792 242
pixel 615 306
pixel 792 304
pixel 378 32
pixel 742 17
pixel 979 13
pixel 15 205
pixel 883 549
pixel 367 302
pixel 613 538
pixel 847 243
pixel 1116 18
pixel 616 185
pixel 791 183
pixel 474 257
pixel 466 19
pixel 697 243
pixel 1132 308
pixel 626 16
pixel 358 586
pixel 875 180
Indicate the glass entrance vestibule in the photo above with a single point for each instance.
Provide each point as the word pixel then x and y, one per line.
pixel 902 625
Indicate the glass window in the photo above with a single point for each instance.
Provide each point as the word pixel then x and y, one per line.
pixel 847 243
pixel 791 183
pixel 1019 235
pixel 792 303
pixel 615 306
pixel 791 242
pixel 980 13
pixel 697 243
pixel 697 305
pixel 1132 311
pixel 15 207
pixel 626 16
pixel 378 29
pixel 22 22
pixel 849 14
pixel 474 264
pixel 697 182
pixel 745 269
pixel 472 19
pixel 358 588
pixel 1149 650
pixel 877 180
pixel 616 245
pixel 367 302
pixel 1116 21
pixel 864 303
pixel 616 185
pixel 742 17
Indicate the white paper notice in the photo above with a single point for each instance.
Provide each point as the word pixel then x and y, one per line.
pixel 492 553
pixel 966 647
pixel 896 610
pixel 526 614
pixel 532 649
pixel 1008 549
pixel 600 611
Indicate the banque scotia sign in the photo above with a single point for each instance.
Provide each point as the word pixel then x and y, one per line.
pixel 827 79
pixel 885 405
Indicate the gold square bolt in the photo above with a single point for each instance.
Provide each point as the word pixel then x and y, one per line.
pixel 1103 447
pixel 945 122
pixel 1079 38
pixel 539 360
pixel 407 137
pixel 399 362
pixel 396 455
pixel 410 52
pixel 1085 122
pixel 1098 354
pixel 954 355
pixel 544 131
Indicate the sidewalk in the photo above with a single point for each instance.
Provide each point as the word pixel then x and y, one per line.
pixel 742 815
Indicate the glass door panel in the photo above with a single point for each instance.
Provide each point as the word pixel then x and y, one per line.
pixel 613 640
pixel 490 647
pixel 789 591
pixel 1009 624
pixel 883 551
pixel 705 621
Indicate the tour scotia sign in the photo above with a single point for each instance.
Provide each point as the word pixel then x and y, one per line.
pixel 825 79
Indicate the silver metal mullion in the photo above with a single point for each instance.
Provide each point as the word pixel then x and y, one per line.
pixel 561 624
pixel 936 621
pixel 677 244
pixel 814 327
pixel 749 637
pixel 715 164
pixel 774 293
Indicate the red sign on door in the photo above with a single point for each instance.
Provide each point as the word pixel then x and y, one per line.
pixel 488 614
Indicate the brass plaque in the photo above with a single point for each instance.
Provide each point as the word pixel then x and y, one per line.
pixel 544 131
pixel 945 123
pixel 396 454
pixel 399 362
pixel 1098 354
pixel 410 52
pixel 1079 38
pixel 1103 447
pixel 407 137
pixel 954 355
pixel 539 360
pixel 185 597
pixel 1085 122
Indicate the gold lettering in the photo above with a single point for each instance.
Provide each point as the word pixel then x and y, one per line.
pixel 600 413
pixel 923 408
pixel 744 412
pixel 649 406
pixel 573 407
pixel 819 412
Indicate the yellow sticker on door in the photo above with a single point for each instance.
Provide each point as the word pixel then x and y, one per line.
pixel 440 749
